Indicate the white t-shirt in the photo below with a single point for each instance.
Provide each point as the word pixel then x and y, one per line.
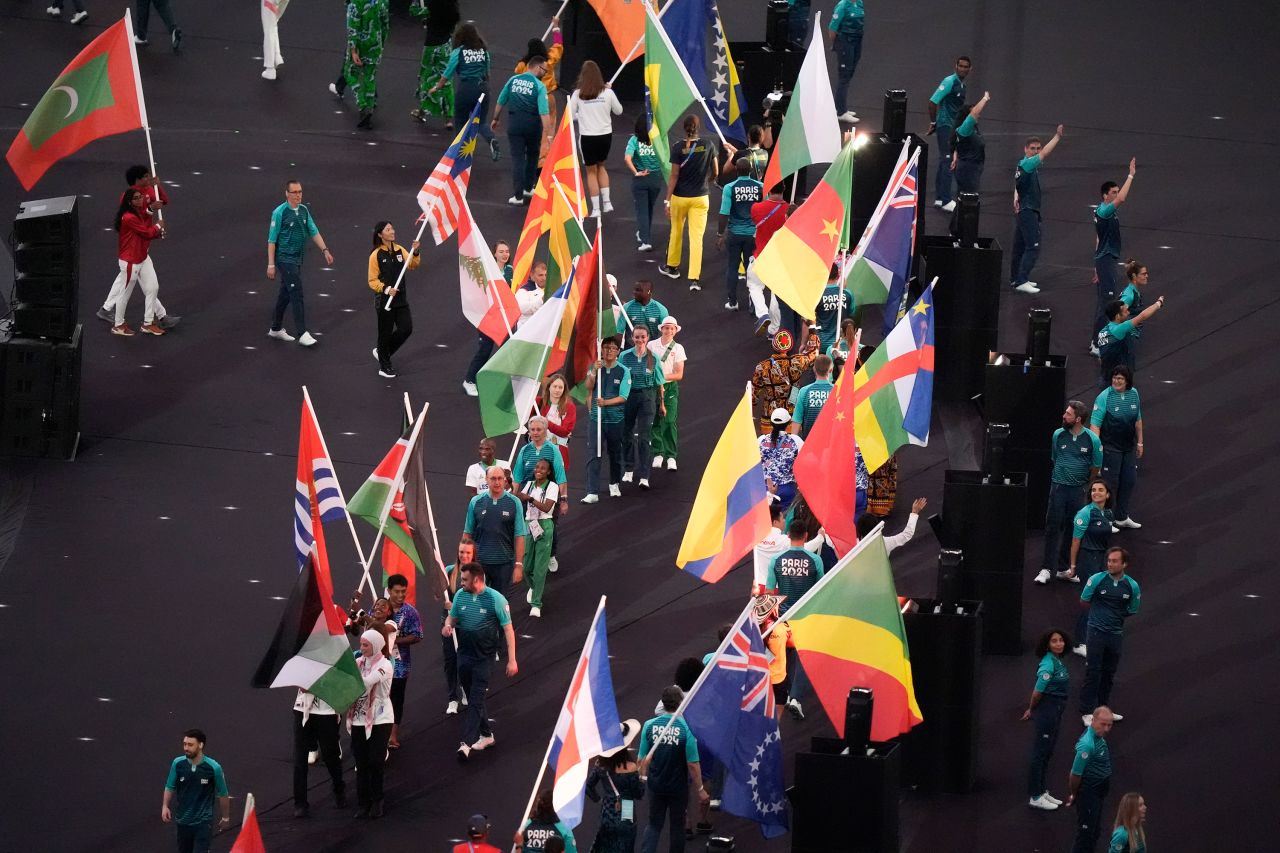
pixel 762 557
pixel 594 115
pixel 669 358
pixel 551 492
pixel 475 475
pixel 529 301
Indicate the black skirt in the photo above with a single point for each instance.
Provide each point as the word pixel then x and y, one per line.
pixel 595 149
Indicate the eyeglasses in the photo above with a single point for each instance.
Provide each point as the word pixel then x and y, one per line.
pixel 293 192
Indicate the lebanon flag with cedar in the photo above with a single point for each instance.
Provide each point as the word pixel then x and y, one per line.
pixel 99 94
pixel 562 165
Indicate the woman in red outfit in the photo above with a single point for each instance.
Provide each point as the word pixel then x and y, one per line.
pixel 136 229
pixel 561 414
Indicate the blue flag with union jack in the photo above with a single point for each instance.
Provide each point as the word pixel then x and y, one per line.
pixel 732 715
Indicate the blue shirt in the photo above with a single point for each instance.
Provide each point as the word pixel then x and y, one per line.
pixel 1107 226
pixel 194 787
pixel 1092 762
pixel 1073 456
pixel 478 620
pixel 1026 180
pixel 736 200
pixel 1052 676
pixel 1116 414
pixel 1111 601
pixel 408 624
pixel 949 96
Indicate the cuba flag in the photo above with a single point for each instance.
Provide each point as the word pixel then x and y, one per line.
pixel 588 724
pixel 731 510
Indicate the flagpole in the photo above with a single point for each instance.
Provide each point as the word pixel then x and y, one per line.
pixel 142 104
pixel 391 496
pixel 565 197
pixel 601 284
pixel 542 771
pixel 636 47
pixel 558 13
pixel 404 266
pixel 877 532
pixel 431 516
pixel 688 79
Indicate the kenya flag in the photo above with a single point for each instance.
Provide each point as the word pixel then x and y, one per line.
pixel 99 94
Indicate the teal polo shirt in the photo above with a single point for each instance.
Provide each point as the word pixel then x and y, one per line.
pixel 809 403
pixel 645 370
pixel 1073 456
pixel 479 619
pixel 612 382
pixel 1092 761
pixel 194 788
pixel 1026 180
pixel 829 307
pixel 643 156
pixel 673 750
pixel 524 93
pixel 469 64
pixel 736 200
pixel 649 315
pixel 1052 676
pixel 949 96
pixel 290 229
pixel 527 458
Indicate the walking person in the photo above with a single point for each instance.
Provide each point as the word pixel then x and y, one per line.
pixel 484 344
pixel 524 96
pixel 481 617
pixel 617 776
pixel 664 438
pixel 645 402
pixel 315 729
pixel 594 104
pixel 614 381
pixel 693 164
pixel 368 22
pixel 135 229
pixel 969 156
pixel 386 280
pixel 737 230
pixel 439 17
pixel 1048 701
pixel 542 826
pixel 944 111
pixel 477 477
pixel 837 301
pixel 645 311
pixel 791 574
pixel 845 31
pixel 1130 832
pixel 669 758
pixel 369 722
pixel 646 181
pixel 552 54
pixel 1076 454
pixel 1114 338
pixel 1026 210
pixel 291 227
pixel 54 10
pixel 143 9
pixel 139 177
pixel 1139 277
pixel 469 62
pixel 540 495
pixel 449 645
pixel 194 781
pixel 768 216
pixel 1117 422
pixel 1111 597
pixel 1106 248
pixel 477 837
pixel 1090 539
pixel 495 523
pixel 562 416
pixel 1090 780
pixel 408 624
pixel 778 452
pixel 812 397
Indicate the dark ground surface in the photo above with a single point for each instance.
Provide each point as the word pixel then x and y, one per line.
pixel 142 587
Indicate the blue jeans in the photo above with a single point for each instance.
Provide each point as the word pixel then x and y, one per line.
pixel 1047 718
pixel 673 808
pixel 1120 470
pixel 1064 502
pixel 848 53
pixel 740 248
pixel 1089 815
pixel 195 839
pixel 612 435
pixel 465 96
pixel 1026 246
pixel 942 180
pixel 1099 668
pixel 473 675
pixel 642 405
pixel 290 295
pixel 524 135
pixel 1108 291
pixel 645 192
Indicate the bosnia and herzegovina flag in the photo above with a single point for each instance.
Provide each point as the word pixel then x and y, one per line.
pixel 99 94
pixel 848 632
pixel 731 511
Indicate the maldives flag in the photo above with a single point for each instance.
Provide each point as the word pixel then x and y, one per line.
pixel 99 94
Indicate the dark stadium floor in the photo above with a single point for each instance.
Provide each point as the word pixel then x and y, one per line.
pixel 159 555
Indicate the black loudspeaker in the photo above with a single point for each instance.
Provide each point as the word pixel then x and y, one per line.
pixel 858 708
pixel 1030 398
pixel 1039 325
pixel 964 222
pixel 46 268
pixel 993 464
pixel 967 300
pixel 941 754
pixel 763 68
pixel 950 565
pixel 895 115
pixel 586 38
pixel 845 802
pixel 40 403
pixel 872 167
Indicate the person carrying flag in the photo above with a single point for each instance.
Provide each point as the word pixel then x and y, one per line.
pixel 615 387
pixel 136 230
pixel 386 280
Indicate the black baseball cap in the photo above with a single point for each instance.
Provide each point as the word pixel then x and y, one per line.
pixel 477 824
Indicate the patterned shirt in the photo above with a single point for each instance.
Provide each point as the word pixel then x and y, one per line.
pixel 408 624
pixel 367 25
pixel 779 457
pixel 774 377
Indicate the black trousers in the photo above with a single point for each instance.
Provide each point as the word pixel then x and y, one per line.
pixel 1089 814
pixel 398 686
pixel 473 675
pixel 484 349
pixel 394 328
pixel 320 732
pixel 371 758
pixel 449 659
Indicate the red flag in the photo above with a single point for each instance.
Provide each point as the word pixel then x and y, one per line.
pixel 579 323
pixel 825 469
pixel 250 838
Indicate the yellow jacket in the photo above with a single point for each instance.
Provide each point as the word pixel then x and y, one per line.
pixel 554 52
pixel 375 269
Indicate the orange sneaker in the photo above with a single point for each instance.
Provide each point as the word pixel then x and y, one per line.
pixel 152 329
pixel 122 329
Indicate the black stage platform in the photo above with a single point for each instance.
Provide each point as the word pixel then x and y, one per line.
pixel 140 584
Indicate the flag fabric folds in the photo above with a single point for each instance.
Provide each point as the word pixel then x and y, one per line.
pixel 98 94
pixel 442 196
pixel 882 260
pixel 825 469
pixel 732 715
pixel 731 510
pixel 587 726
pixel 406 551
pixel 582 326
pixel 250 838
pixel 565 239
pixel 561 164
pixel 310 648
pixel 894 387
pixel 374 500
pixel 509 382
pixel 687 23
pixel 487 302
pixel 810 130
pixel 623 20
pixel 670 91
pixel 725 98
pixel 848 632
pixel 317 497
pixel 797 260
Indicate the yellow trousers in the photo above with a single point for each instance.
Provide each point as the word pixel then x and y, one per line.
pixel 694 211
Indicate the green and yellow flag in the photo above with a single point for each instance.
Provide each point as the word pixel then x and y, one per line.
pixel 667 81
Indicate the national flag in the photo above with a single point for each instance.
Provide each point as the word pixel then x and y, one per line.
pixel 566 240
pixel 275 7
pixel 848 632
pixel 623 20
pixel 810 129
pixel 510 380
pixel 585 321
pixel 250 838
pixel 99 94
pixel 409 533
pixel 731 510
pixel 796 262
pixel 670 90
pixel 726 98
pixel 731 713
pixel 310 648
pixel 587 726
pixel 317 497
pixel 882 260
pixel 825 467
pixel 374 500
pixel 562 165
pixel 442 196
pixel 893 389
pixel 487 301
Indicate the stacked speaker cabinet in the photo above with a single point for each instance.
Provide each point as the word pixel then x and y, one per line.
pixel 967 300
pixel 846 802
pixel 1030 398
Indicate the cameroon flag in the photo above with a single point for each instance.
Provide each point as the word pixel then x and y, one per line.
pixel 848 632
pixel 99 94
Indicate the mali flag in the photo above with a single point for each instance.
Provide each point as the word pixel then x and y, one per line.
pixel 731 510
pixel 848 632
pixel 797 260
pixel 667 81
pixel 99 94
pixel 561 165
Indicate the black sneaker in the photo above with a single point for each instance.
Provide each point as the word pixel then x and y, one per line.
pixel 669 272
pixel 494 151
pixel 109 316
pixel 366 120
pixel 694 284
pixel 176 39
pixel 387 372
pixel 168 321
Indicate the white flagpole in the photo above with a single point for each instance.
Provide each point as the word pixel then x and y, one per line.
pixel 636 46
pixel 405 266
pixel 391 496
pixel 685 73
pixel 142 104
pixel 558 13
pixel 876 533
pixel 431 516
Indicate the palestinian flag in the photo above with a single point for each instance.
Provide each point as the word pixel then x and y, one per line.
pixel 848 632
pixel 99 94
pixel 310 648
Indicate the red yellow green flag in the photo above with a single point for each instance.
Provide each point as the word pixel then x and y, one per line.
pixel 562 165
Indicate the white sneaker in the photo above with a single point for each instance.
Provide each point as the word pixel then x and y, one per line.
pixel 644 247
pixel 1027 287
pixel 464 752
pixel 606 207
pixel 306 340
pixel 1129 523
pixel 590 499
pixel 375 354
pixel 54 11
pixel 1094 351
pixel 1116 717
pixel 79 16
pixel 627 477
pixel 1041 803
pixel 1087 719
pixel 553 565
pixel 280 335
pixel 1051 798
pixel 795 709
pixel 949 206
pixel 1115 528
pixel 485 742
pixel 937 202
pixel 333 90
pixel 313 756
pixel 470 388
pixel 671 464
pixel 848 116
pixel 535 612
pixel 268 74
pixel 1067 576
pixel 452 708
pixel 644 483
pixel 1043 577
pixel 714 805
pixel 615 491
pixel 657 462
pixel 515 201
pixel 1080 649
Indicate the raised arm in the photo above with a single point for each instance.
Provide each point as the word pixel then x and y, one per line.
pixel 977 108
pixel 1148 312
pixel 1051 144
pixel 1128 182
